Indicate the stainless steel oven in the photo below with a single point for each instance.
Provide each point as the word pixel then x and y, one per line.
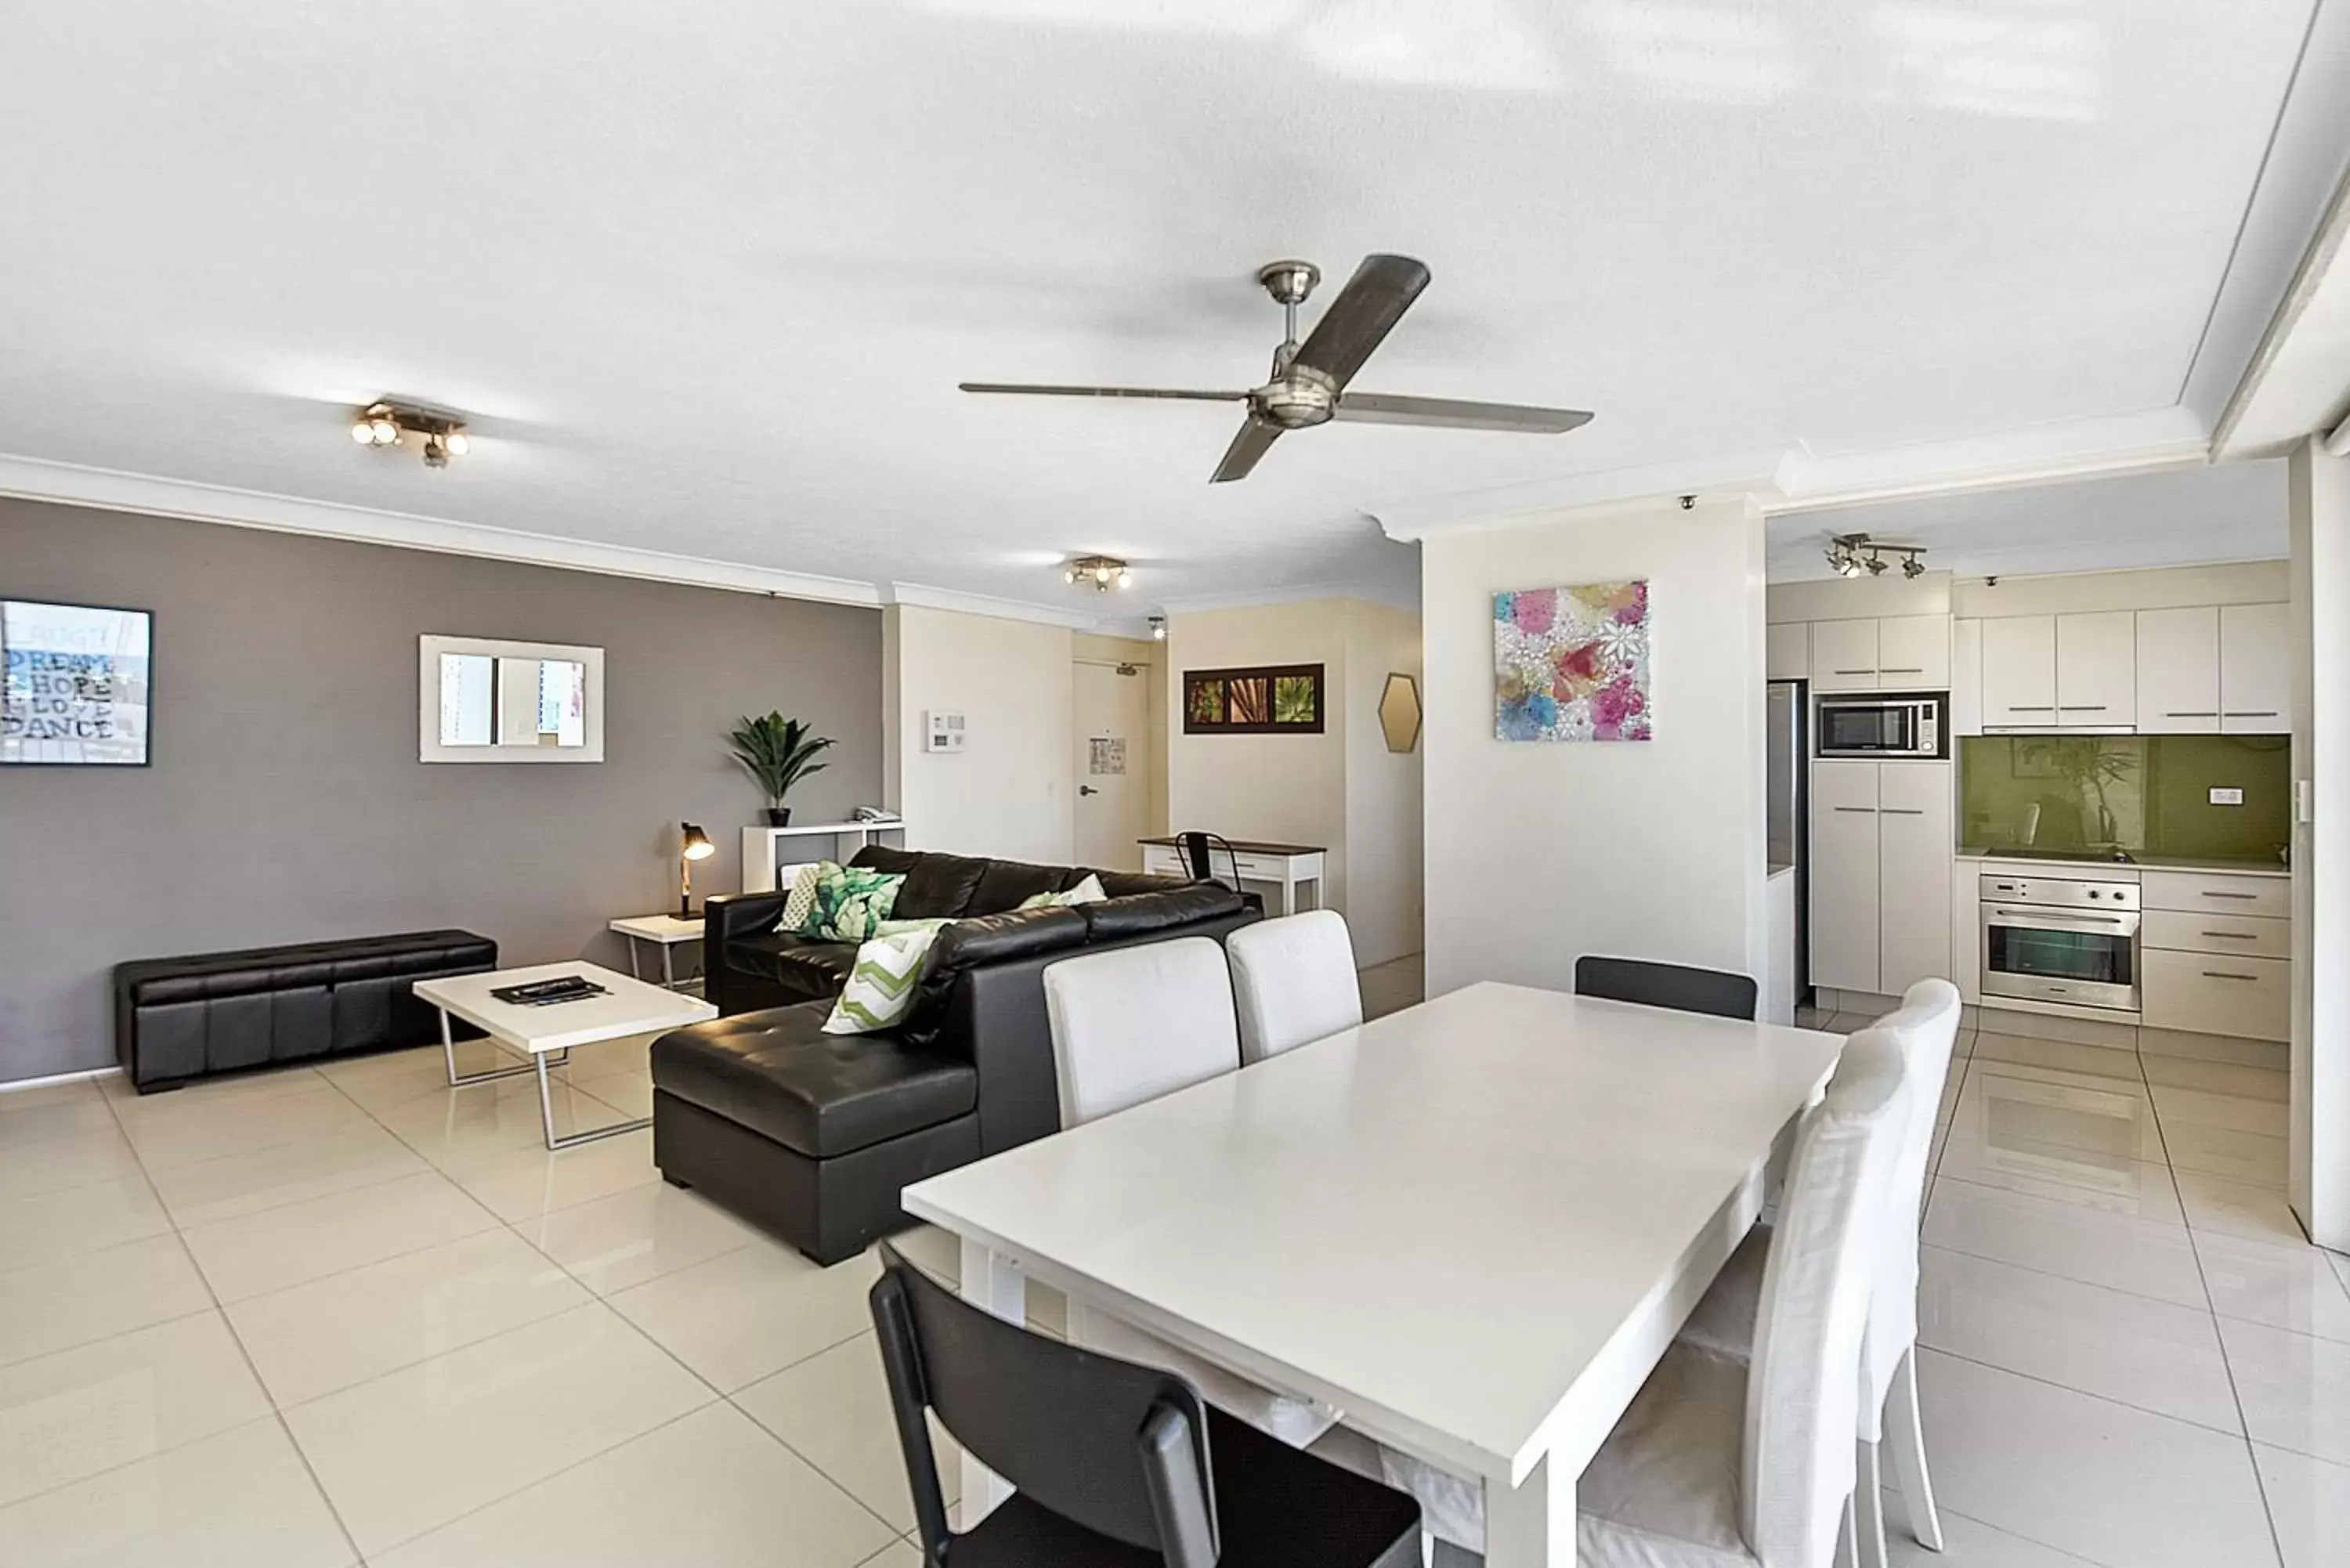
pixel 2060 939
pixel 1870 726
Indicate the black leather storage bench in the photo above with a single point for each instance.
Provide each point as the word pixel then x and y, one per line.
pixel 178 1018
pixel 808 1134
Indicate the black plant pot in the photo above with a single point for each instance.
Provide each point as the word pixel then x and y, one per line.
pixel 779 816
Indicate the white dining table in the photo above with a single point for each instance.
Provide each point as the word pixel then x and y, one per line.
pixel 1469 1228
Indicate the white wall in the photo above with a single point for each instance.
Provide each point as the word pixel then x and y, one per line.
pixel 1341 789
pixel 1383 789
pixel 1008 793
pixel 1539 852
pixel 2320 574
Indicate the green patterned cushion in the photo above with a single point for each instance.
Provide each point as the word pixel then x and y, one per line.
pixel 851 902
pixel 800 902
pixel 881 987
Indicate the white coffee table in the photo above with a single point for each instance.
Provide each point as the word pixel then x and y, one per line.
pixel 663 930
pixel 626 1007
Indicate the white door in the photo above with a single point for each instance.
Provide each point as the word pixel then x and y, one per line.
pixel 1913 653
pixel 2255 670
pixel 1113 765
pixel 2178 671
pixel 2096 669
pixel 1787 651
pixel 2019 672
pixel 1913 878
pixel 1844 656
pixel 1844 886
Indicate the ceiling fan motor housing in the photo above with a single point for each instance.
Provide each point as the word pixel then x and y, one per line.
pixel 1301 397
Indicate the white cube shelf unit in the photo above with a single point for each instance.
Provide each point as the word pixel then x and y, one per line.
pixel 764 849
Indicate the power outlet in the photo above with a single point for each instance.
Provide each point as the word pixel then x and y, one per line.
pixel 2221 796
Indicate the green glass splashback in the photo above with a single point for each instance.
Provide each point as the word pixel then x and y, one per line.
pixel 2149 794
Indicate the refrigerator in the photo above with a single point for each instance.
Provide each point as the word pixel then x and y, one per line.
pixel 1790 809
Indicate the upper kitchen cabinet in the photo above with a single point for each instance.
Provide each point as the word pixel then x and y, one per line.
pixel 2019 672
pixel 1787 651
pixel 2255 670
pixel 1844 655
pixel 1913 653
pixel 2178 671
pixel 2097 670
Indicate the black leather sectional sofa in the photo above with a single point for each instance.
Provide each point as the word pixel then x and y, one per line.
pixel 814 1135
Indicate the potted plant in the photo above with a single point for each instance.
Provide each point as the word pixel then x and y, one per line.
pixel 778 753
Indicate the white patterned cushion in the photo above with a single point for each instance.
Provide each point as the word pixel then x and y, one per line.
pixel 880 986
pixel 1089 891
pixel 800 902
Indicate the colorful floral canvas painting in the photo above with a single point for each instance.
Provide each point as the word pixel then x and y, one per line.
pixel 1572 663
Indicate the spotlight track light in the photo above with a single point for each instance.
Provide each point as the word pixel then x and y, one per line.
pixel 440 436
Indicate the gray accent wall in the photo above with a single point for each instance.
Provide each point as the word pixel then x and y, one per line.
pixel 285 803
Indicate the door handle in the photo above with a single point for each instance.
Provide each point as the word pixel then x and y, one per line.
pixel 1088 789
pixel 2250 714
pixel 2083 708
pixel 2193 713
pixel 1895 669
pixel 2030 708
pixel 1866 810
pixel 1856 672
pixel 1901 810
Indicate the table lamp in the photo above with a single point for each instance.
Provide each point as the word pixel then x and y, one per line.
pixel 694 845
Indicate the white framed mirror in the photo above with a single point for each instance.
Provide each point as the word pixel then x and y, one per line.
pixel 482 700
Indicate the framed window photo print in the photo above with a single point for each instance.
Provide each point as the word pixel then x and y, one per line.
pixel 1261 700
pixel 76 682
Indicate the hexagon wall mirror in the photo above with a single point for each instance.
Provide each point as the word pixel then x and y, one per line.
pixel 1399 712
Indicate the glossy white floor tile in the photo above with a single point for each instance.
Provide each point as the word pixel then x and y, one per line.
pixel 187 1126
pixel 2256 1158
pixel 2144 1257
pixel 31 1165
pixel 641 1233
pixel 1970 1544
pixel 239 1184
pixel 75 1219
pixel 2295 1389
pixel 451 1126
pixel 2292 1287
pixel 2114 1183
pixel 86 1411
pixel 2129 1348
pixel 90 1296
pixel 256 1254
pixel 2121 1487
pixel 418 1448
pixel 2108 1119
pixel 520 1184
pixel 2214 1203
pixel 314 1338
pixel 2310 1501
pixel 2215 1077
pixel 241 1499
pixel 749 1312
pixel 833 1409
pixel 711 1490
pixel 2095 1061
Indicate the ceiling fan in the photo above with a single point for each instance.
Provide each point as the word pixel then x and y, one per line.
pixel 1310 380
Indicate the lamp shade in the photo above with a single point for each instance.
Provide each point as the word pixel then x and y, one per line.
pixel 695 844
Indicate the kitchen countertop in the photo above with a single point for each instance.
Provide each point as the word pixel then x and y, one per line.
pixel 2137 863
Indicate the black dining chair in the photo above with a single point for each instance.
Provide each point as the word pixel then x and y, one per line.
pixel 1193 845
pixel 1678 986
pixel 1113 1464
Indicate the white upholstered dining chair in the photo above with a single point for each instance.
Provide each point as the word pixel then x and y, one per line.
pixel 1927 1025
pixel 1293 982
pixel 1748 1463
pixel 1130 1025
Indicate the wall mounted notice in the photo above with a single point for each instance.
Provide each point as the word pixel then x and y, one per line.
pixel 74 683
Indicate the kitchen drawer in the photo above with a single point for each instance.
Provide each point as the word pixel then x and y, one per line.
pixel 1270 868
pixel 2253 936
pixel 2249 998
pixel 1159 860
pixel 2199 891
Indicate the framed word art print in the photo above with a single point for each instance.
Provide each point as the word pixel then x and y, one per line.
pixel 74 684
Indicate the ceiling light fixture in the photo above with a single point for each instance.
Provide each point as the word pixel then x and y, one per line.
pixel 1852 554
pixel 1104 571
pixel 383 423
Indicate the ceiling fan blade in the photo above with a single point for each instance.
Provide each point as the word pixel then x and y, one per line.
pixel 1451 413
pixel 1256 439
pixel 1033 390
pixel 1365 312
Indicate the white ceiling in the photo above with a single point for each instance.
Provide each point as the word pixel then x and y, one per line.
pixel 2182 516
pixel 706 275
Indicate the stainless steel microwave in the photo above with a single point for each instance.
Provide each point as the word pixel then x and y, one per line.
pixel 1867 726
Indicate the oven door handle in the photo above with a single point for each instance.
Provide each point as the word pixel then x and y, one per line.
pixel 2025 917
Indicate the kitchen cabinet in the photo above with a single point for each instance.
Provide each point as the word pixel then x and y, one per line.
pixel 1880 874
pixel 1913 653
pixel 1787 651
pixel 2248 998
pixel 1966 677
pixel 2178 671
pixel 1844 656
pixel 2097 670
pixel 2255 670
pixel 2019 672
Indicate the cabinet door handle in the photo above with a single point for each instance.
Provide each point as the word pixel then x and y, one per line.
pixel 2250 714
pixel 2030 708
pixel 2193 713
pixel 2209 894
pixel 1902 810
pixel 1899 670
pixel 1853 672
pixel 2083 708
pixel 2223 974
pixel 1869 810
pixel 2232 935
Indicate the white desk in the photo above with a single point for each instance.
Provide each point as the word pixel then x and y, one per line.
pixel 664 932
pixel 1470 1228
pixel 627 1007
pixel 1287 867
